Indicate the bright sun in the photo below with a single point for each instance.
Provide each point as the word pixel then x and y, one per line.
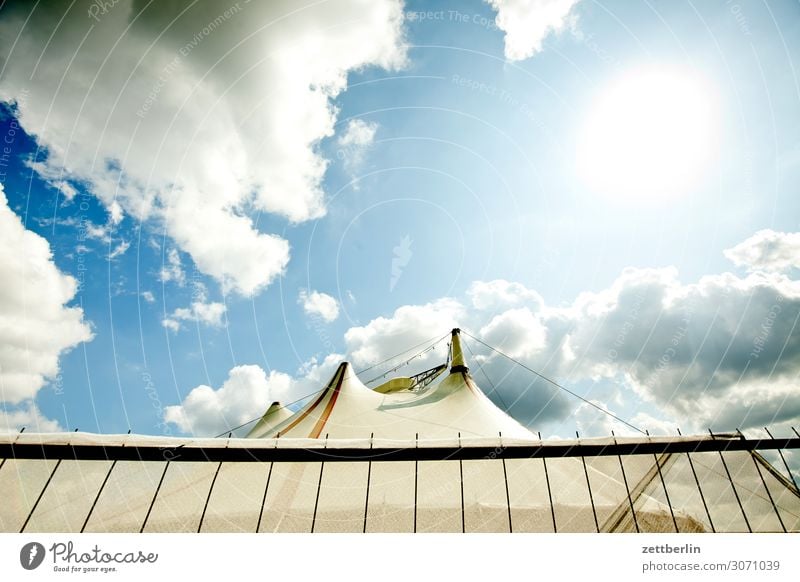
pixel 648 136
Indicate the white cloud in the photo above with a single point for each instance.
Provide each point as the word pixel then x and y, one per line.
pixel 517 332
pixel 36 325
pixel 722 352
pixel 767 250
pixel 318 304
pixel 13 419
pixel 528 22
pixel 119 250
pixel 171 324
pixel 96 231
pixel 410 325
pixel 148 296
pixel 207 411
pixel 245 395
pixel 354 144
pixel 200 117
pixel 66 189
pixel 200 311
pixel 498 294
pixel 358 133
pixel 172 270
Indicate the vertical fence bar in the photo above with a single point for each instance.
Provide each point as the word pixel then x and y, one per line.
pixel 416 480
pixel 264 498
pixel 589 487
pixel 319 486
pixel 666 493
pixel 266 487
pixel 628 491
pixel 699 489
pixel 97 497
pixel 627 488
pixel 461 475
pixel 211 489
pixel 505 480
pixel 369 475
pixel 771 500
pixel 208 497
pixel 41 493
pixel 733 487
pixel 155 496
pixel 549 493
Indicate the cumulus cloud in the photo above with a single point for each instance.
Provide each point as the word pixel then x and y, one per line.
pixel 767 250
pixel 37 325
pixel 14 418
pixel 708 351
pixel 384 337
pixel 354 144
pixel 528 22
pixel 172 270
pixel 208 313
pixel 194 117
pixel 358 133
pixel 245 396
pixel 317 304
pixel 119 250
pixel 207 411
pixel 721 352
pixel 499 294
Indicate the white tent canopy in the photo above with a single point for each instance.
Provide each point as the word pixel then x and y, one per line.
pixel 440 458
pixel 346 408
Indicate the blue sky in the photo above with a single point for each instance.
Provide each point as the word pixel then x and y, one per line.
pixel 408 155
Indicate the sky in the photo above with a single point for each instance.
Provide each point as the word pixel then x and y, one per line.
pixel 206 206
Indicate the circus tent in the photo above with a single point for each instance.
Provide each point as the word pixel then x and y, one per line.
pixel 430 453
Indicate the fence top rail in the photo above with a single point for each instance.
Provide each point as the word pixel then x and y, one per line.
pixel 301 450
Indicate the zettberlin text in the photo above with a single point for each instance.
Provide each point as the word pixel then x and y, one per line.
pixel 667 549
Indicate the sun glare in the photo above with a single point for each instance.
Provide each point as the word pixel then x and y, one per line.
pixel 648 136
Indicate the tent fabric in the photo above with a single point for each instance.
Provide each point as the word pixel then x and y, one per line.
pixel 274 416
pixel 346 408
pixel 488 495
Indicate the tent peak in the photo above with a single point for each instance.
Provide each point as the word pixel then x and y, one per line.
pixel 458 364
